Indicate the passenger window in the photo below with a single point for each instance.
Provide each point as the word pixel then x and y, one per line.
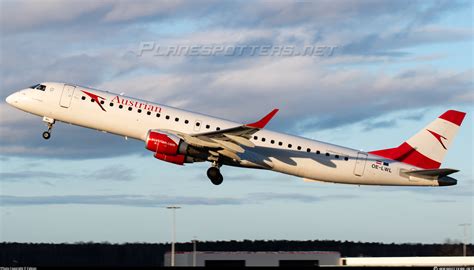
pixel 139 110
pixel 111 104
pixel 120 106
pixel 186 121
pixel 255 137
pixel 327 154
pixel 346 158
pixel 176 119
pixel 167 117
pixel 83 98
pixel 317 152
pixel 289 145
pixel 149 113
pixel 263 139
pixel 272 141
pixel 308 150
pixel 157 115
pixel 207 126
pixel 198 124
pixel 92 100
pixel 299 147
pixel 102 102
pixel 218 128
pixel 130 108
pixel 336 156
pixel 280 143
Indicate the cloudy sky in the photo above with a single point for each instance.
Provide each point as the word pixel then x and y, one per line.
pixel 395 66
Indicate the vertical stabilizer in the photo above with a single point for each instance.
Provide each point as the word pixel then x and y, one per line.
pixel 429 146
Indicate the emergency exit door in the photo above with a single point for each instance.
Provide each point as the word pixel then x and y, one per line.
pixel 66 96
pixel 360 164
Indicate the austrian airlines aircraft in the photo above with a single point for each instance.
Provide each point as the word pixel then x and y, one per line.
pixel 180 136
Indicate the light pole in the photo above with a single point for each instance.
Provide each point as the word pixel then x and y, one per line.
pixel 466 226
pixel 194 251
pixel 173 208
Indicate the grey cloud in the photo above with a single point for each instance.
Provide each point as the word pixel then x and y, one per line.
pixel 22 16
pixel 384 44
pixel 122 200
pixel 109 173
pixel 380 124
pixel 332 14
pixel 296 197
pixel 20 175
pixel 82 69
pixel 67 141
pixel 443 201
pixel 415 116
pixel 18 16
pixel 114 173
pixel 25 15
pixel 162 200
pixel 392 121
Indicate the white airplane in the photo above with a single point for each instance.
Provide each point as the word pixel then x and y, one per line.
pixel 180 136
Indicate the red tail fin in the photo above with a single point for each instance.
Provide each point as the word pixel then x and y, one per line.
pixel 429 146
pixel 407 154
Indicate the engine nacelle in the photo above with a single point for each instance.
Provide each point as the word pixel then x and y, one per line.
pixel 176 159
pixel 165 143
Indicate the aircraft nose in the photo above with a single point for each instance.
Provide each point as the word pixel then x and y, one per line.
pixel 12 99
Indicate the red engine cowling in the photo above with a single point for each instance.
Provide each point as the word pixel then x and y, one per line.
pixel 163 143
pixel 176 159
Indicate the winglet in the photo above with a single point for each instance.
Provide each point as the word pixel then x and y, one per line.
pixel 264 121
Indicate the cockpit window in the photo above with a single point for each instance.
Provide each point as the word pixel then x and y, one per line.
pixel 39 87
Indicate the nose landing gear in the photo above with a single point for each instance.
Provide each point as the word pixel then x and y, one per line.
pixel 46 135
pixel 215 175
pixel 50 122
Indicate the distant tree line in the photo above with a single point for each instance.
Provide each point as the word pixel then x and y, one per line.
pixel 146 255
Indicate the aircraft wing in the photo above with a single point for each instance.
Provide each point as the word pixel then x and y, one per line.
pixel 227 142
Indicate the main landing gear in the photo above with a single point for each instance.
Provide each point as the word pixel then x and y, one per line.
pixel 215 175
pixel 50 123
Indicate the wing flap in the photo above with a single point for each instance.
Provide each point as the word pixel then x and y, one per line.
pixel 229 154
pixel 229 145
pixel 240 140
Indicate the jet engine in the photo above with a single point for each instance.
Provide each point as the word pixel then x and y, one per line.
pixel 176 159
pixel 165 143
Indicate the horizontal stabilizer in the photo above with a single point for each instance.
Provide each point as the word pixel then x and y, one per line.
pixel 434 173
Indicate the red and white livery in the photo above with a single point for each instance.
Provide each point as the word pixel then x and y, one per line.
pixel 180 137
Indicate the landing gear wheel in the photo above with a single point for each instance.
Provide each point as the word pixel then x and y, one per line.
pixel 49 122
pixel 215 175
pixel 46 135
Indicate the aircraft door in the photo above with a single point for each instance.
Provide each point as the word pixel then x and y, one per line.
pixel 66 96
pixel 360 164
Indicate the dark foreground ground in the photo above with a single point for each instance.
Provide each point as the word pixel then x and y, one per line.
pixel 146 255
